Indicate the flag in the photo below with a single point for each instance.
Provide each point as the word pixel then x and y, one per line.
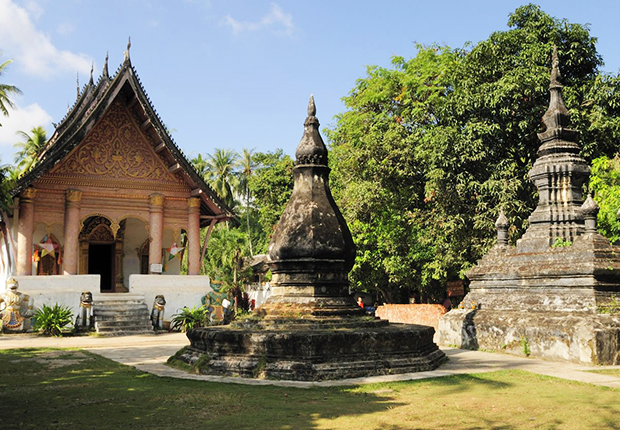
pixel 47 247
pixel 174 251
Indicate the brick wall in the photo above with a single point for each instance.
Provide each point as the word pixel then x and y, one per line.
pixel 412 314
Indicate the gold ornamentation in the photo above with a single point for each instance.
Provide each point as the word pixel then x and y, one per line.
pixel 193 202
pixel 101 234
pixel 116 148
pixel 29 193
pixel 73 195
pixel 157 200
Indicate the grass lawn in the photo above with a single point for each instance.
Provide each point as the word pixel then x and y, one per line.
pixel 74 389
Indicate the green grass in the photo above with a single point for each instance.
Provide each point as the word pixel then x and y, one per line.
pixel 48 389
pixel 611 372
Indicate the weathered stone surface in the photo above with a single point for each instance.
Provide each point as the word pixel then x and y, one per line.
pixel 310 352
pixel 310 329
pixel 536 298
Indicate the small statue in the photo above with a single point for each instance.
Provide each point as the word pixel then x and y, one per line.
pixel 157 313
pixel 85 320
pixel 18 308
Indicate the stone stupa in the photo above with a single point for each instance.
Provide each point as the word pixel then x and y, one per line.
pixel 311 329
pixel 546 296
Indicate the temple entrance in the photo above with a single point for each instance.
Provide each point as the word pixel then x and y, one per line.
pixel 101 252
pixel 101 262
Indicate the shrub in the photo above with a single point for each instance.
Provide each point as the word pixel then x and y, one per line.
pixel 190 318
pixel 52 319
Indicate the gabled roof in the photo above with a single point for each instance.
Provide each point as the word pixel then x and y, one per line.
pixel 90 106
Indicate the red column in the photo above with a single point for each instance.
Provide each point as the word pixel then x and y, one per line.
pixel 24 231
pixel 73 200
pixel 156 226
pixel 193 233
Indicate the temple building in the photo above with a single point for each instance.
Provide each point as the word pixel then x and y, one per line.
pixel 112 194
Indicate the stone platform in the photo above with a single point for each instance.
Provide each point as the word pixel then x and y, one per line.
pixel 323 349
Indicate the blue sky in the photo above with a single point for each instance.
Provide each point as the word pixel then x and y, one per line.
pixel 238 74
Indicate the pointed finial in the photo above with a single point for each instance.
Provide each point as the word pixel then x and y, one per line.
pixel 311 149
pixel 502 225
pixel 92 68
pixel 311 106
pixel 555 68
pixel 126 60
pixel 77 83
pixel 589 210
pixel 104 73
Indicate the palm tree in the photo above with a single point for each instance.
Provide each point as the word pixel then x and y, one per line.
pixel 247 166
pixel 30 148
pixel 220 172
pixel 200 164
pixel 5 91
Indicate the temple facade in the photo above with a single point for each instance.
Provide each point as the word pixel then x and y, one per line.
pixel 112 194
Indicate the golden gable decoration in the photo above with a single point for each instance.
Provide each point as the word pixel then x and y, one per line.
pixel 116 149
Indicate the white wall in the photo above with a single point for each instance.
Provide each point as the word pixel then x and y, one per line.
pixel 135 236
pixel 61 289
pixel 178 290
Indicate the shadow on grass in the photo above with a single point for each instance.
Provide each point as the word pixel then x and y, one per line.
pixel 93 391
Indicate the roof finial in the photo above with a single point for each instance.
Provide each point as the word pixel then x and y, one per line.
pixel 126 60
pixel 77 83
pixel 92 68
pixel 311 106
pixel 105 67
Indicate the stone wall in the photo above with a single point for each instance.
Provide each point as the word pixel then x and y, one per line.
pixel 412 314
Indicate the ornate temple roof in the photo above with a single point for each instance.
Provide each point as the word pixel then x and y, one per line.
pixel 92 102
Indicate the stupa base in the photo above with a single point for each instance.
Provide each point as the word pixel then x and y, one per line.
pixel 586 338
pixel 321 349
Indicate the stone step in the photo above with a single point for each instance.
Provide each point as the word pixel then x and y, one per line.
pixel 123 325
pixel 121 314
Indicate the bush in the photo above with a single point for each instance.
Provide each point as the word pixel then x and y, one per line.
pixel 51 320
pixel 190 318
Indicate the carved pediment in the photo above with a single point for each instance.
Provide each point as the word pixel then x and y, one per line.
pixel 116 149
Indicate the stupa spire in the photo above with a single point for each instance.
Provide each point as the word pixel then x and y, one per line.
pixel 559 173
pixel 311 149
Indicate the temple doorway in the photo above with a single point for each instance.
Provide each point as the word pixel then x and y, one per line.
pixel 101 262
pixel 101 252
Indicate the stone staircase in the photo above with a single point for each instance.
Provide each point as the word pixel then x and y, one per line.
pixel 119 314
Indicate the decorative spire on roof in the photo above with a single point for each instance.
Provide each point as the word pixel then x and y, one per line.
pixel 104 73
pixel 77 84
pixel 311 149
pixel 126 54
pixel 502 225
pixel 589 210
pixel 92 69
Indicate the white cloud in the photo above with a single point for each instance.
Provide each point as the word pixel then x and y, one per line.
pixel 20 119
pixel 31 50
pixel 276 19
pixel 65 28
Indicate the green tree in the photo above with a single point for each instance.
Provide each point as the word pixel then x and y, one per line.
pixel 431 148
pixel 605 185
pixel 220 173
pixel 225 253
pixel 6 91
pixel 200 164
pixel 271 186
pixel 29 148
pixel 246 168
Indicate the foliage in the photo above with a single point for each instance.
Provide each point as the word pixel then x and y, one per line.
pixel 431 148
pixel 52 319
pixel 271 186
pixel 219 172
pixel 189 319
pixel 560 242
pixel 29 148
pixel 605 184
pixel 611 307
pixel 225 253
pixel 6 91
